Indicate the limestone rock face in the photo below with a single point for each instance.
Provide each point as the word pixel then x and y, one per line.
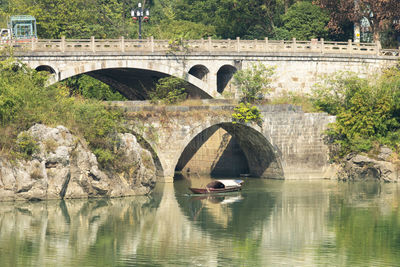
pixel 65 168
pixel 359 167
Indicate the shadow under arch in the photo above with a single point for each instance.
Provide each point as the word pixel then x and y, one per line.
pixel 46 68
pixel 133 79
pixel 260 154
pixel 224 76
pixel 200 72
pixel 146 145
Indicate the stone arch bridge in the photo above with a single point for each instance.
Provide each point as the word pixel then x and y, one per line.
pixel 132 66
pixel 288 145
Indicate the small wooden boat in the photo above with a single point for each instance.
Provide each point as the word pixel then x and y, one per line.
pixel 219 186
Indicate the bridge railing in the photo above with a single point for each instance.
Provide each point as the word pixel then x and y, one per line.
pixel 203 45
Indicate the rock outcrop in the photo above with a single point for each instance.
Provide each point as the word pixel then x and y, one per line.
pixel 359 167
pixel 63 167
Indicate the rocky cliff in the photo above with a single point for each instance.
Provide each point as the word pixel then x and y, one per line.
pixel 357 167
pixel 64 168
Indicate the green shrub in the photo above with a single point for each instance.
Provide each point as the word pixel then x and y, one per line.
pixel 105 157
pixel 245 113
pixel 367 110
pixel 27 145
pixel 24 101
pixel 169 90
pixel 89 87
pixel 253 83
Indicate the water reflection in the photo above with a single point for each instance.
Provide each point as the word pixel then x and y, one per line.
pixel 268 223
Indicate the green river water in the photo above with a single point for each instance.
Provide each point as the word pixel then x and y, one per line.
pixel 268 223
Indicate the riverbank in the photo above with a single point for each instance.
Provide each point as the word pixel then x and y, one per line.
pixel 62 167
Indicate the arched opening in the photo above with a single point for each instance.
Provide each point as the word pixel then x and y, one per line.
pixel 45 68
pixel 224 77
pixel 230 150
pixel 200 72
pixel 136 84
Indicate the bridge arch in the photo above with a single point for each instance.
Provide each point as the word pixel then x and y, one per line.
pixel 46 68
pixel 196 85
pixel 200 71
pixel 262 159
pixel 224 76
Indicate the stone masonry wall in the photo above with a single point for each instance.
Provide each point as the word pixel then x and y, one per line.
pixel 295 138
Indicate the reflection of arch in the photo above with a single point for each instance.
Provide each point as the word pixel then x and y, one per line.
pixel 224 75
pixel 239 219
pixel 200 72
pixel 259 152
pixel 45 68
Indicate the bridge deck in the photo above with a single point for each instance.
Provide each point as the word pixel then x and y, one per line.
pixel 209 45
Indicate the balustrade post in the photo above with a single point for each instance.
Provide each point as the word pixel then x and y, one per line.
pixel 122 44
pixel 322 45
pixel 350 45
pixel 92 44
pixel 33 44
pixel 152 44
pixel 209 44
pixel 266 43
pixel 62 46
pixel 238 44
pixel 294 44
pixel 378 47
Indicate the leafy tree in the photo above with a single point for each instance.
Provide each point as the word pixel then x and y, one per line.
pixel 77 18
pixel 253 82
pixel 177 29
pixel 303 21
pixel 253 19
pixel 169 90
pixel 380 13
pixel 367 111
pixel 89 87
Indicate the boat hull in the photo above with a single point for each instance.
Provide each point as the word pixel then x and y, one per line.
pixel 214 190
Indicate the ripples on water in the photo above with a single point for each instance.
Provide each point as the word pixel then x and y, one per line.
pixel 269 223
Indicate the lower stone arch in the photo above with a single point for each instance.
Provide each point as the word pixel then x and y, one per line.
pixel 262 159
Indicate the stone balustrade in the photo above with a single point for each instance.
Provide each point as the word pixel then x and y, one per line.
pixel 151 45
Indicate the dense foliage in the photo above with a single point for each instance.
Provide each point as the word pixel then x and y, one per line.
pixel 89 87
pixel 169 90
pixel 245 113
pixel 380 14
pixel 192 19
pixel 253 19
pixel 24 101
pixel 367 111
pixel 303 21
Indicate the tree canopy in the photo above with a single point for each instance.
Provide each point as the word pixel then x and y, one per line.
pixel 171 19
